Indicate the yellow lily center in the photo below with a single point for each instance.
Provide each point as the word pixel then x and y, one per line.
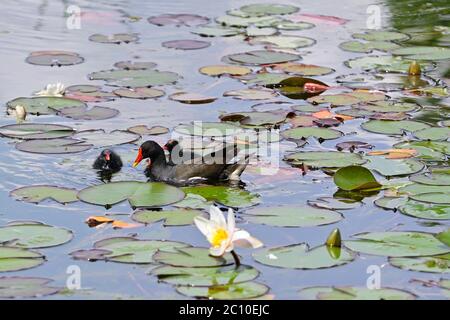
pixel 218 236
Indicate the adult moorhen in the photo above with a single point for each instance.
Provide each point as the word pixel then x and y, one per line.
pixel 212 167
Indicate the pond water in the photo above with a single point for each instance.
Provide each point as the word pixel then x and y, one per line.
pixel 32 25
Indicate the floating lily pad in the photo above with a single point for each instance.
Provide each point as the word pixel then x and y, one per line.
pixel 384 64
pixel 182 276
pixel 441 133
pixel 144 130
pixel 242 22
pixel 422 210
pixel 355 293
pixel 263 79
pixel 435 179
pixel 100 138
pixel 263 9
pixel 252 31
pixel 296 87
pixel 95 113
pixel 179 217
pixel 117 38
pixel 26 287
pixel 292 25
pixel 54 58
pixel 393 127
pixel 344 99
pixel 436 264
pixel 418 188
pixel 188 20
pixel 384 81
pixel 228 196
pixel 393 167
pixel 306 132
pixel 53 146
pixel 389 106
pixel 44 105
pixel 132 250
pixel 433 197
pixel 135 78
pixel 208 129
pixel 134 65
pixel 292 216
pixel 283 41
pixel 186 44
pixel 39 193
pixel 444 237
pixel 381 35
pixel 260 57
pixel 219 70
pixel 355 178
pixel 191 98
pixel 138 194
pixel 303 69
pixel 192 257
pixel 34 235
pixel 15 259
pixel 32 131
pixel 139 93
pixel 334 203
pixel 325 159
pixel 423 53
pixel 353 145
pixel 390 203
pixel 213 31
pixel 299 256
pixel 368 47
pixel 427 150
pixel 251 94
pixel 245 290
pixel 397 244
pixel 254 118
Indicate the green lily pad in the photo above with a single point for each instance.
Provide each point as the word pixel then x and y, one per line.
pixel 263 79
pixel 25 287
pixel 245 290
pixel 294 87
pixel 220 70
pixel 192 257
pixel 252 31
pixel 306 132
pixel 134 65
pixel 95 113
pixel 393 167
pixel 100 138
pixel 86 93
pixel 243 22
pixel 290 25
pixel 441 133
pixel 135 78
pixel 325 159
pixel 132 250
pixel 384 64
pixel 213 31
pixel 389 106
pixel 254 118
pixel 44 105
pixel 251 94
pixel 283 41
pixel 38 193
pixel 53 146
pixel 436 264
pixel 333 203
pixel 397 244
pixel 390 127
pixel 183 19
pixel 138 194
pixel 432 197
pixel 30 131
pixel 303 69
pixel 227 196
pixel 355 178
pixel 186 44
pixel 381 35
pixel 260 57
pixel 15 259
pixel 423 53
pixel 444 237
pixel 368 47
pixel 386 82
pixel 427 150
pixel 299 256
pixel 264 9
pixel 34 235
pixel 139 93
pixel 435 179
pixel 208 129
pixel 426 210
pixel 117 38
pixel 179 217
pixel 292 216
pixel 418 188
pixel 54 58
pixel 390 203
pixel 355 293
pixel 227 275
pixel 350 98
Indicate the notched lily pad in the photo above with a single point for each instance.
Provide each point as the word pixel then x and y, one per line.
pixel 39 193
pixel 355 293
pixel 135 78
pixel 432 211
pixel 306 132
pixel 228 196
pixel 144 130
pixel 284 41
pixel 186 44
pixel 391 127
pixel 44 105
pixel 192 257
pixel 95 113
pixel 191 98
pixel 303 69
pixel 436 264
pixel 325 159
pixel 26 287
pixel 32 131
pixel 260 57
pixel 355 178
pixel 139 93
pixel 100 138
pixel 183 19
pixel 180 217
pixel 245 290
pixel 117 38
pixel 54 58
pixel 53 146
pixel 16 259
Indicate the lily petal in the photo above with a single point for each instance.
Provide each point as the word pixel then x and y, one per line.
pixel 243 239
pixel 216 215
pixel 231 221
pixel 203 225
pixel 219 251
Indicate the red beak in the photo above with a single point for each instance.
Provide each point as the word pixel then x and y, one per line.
pixel 165 147
pixel 107 157
pixel 138 158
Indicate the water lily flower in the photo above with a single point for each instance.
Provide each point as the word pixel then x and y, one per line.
pixel 52 90
pixel 223 235
pixel 20 113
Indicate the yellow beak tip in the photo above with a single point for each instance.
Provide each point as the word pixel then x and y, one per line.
pixel 135 164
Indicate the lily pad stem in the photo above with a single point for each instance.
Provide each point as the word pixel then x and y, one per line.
pixel 236 258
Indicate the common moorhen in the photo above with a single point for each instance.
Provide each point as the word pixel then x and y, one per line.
pixel 108 160
pixel 212 167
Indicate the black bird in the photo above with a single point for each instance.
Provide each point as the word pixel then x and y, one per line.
pixel 159 169
pixel 108 160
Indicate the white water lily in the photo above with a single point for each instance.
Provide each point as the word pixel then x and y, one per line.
pixel 52 90
pixel 222 234
pixel 18 111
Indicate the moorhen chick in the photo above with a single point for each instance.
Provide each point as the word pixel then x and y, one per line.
pixel 108 160
pixel 159 169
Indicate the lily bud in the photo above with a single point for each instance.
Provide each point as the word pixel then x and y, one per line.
pixel 20 112
pixel 414 69
pixel 334 239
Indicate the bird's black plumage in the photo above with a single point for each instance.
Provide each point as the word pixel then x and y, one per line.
pixel 108 160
